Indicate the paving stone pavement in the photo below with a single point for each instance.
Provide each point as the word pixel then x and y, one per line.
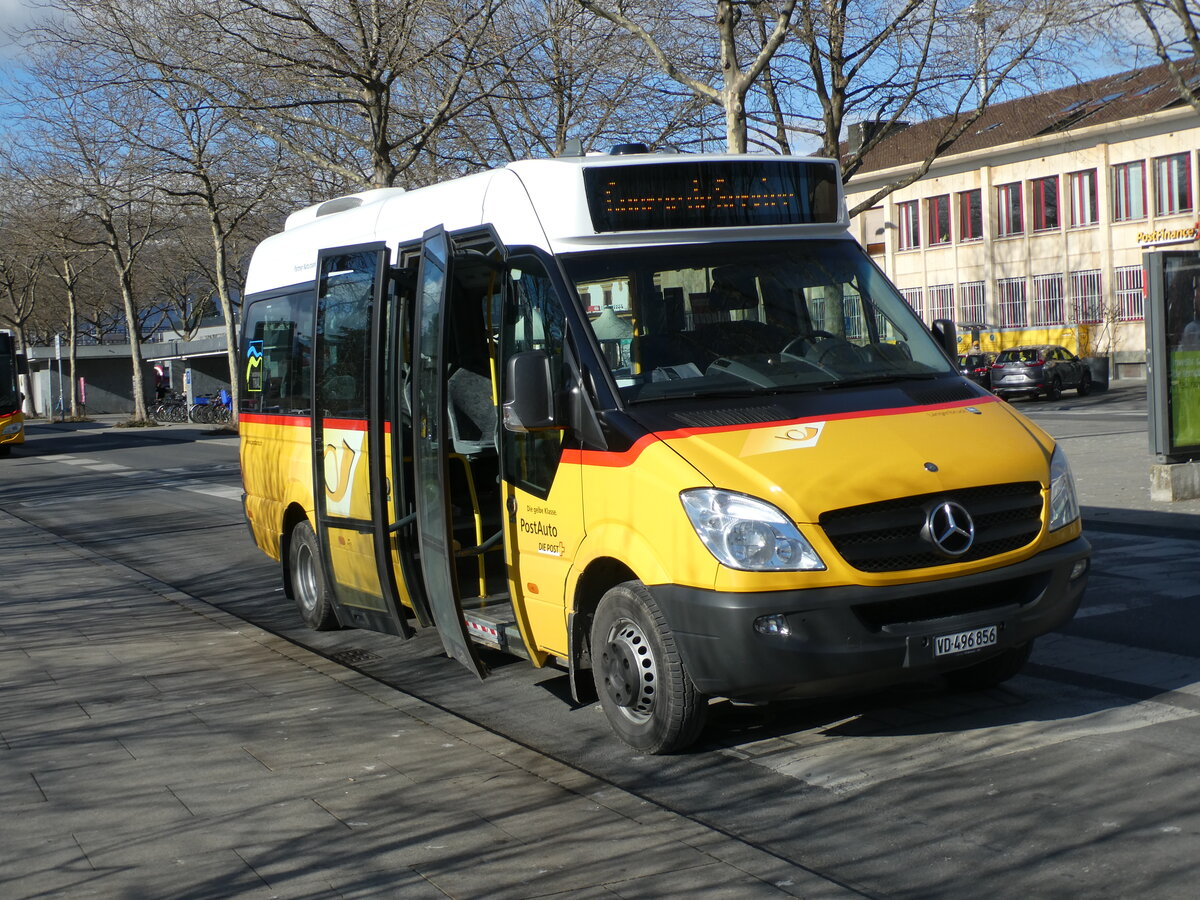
pixel 152 745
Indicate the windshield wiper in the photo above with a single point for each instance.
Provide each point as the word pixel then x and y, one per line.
pixel 739 394
pixel 884 379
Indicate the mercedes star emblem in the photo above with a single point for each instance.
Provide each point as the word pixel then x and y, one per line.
pixel 949 528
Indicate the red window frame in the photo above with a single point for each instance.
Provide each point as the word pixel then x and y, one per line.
pixel 909 214
pixel 1125 197
pixel 1044 203
pixel 1009 218
pixel 970 215
pixel 1085 208
pixel 939 220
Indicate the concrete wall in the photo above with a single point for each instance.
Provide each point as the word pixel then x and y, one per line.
pixel 109 384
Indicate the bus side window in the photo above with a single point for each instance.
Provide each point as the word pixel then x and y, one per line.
pixel 533 319
pixel 276 355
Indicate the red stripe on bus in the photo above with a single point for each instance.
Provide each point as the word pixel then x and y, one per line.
pixel 306 422
pixel 628 457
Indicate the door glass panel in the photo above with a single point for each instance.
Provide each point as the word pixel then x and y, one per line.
pixel 429 427
pixel 345 296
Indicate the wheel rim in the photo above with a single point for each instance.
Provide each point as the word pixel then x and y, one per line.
pixel 304 578
pixel 630 670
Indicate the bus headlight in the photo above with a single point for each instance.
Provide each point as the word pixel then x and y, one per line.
pixel 748 534
pixel 1064 508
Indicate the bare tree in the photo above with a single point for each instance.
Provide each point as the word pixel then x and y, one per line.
pixel 76 144
pixel 557 74
pixel 359 88
pixel 733 35
pixel 887 64
pixel 1172 29
pixel 22 268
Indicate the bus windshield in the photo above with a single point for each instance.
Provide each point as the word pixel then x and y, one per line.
pixel 762 317
pixel 10 399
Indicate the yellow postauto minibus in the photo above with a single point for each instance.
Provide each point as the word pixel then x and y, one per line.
pixel 12 422
pixel 656 419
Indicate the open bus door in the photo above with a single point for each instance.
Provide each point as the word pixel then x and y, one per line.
pixel 355 506
pixel 430 450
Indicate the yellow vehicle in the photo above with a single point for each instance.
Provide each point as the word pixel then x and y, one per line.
pixel 12 422
pixel 655 419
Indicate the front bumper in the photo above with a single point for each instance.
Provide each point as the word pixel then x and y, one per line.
pixel 12 432
pixel 854 638
pixel 1027 385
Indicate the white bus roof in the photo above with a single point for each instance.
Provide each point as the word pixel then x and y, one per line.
pixel 540 202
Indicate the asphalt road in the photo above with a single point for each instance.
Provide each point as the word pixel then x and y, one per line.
pixel 1075 778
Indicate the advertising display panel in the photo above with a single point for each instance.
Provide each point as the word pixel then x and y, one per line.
pixel 1173 352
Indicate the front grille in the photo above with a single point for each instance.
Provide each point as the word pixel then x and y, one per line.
pixel 886 536
pixel 955 602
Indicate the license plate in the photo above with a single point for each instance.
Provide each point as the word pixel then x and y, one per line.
pixel 965 641
pixel 1008 379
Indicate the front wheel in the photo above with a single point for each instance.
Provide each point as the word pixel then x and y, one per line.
pixel 1085 384
pixel 308 580
pixel 644 688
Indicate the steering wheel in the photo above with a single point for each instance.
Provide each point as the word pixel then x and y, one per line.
pixel 801 340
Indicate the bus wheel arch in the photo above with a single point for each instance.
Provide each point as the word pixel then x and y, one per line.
pixel 304 574
pixel 596 580
pixel 292 517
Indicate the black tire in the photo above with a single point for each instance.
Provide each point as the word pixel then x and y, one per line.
pixel 992 671
pixel 640 678
pixel 1085 384
pixel 5 450
pixel 1054 389
pixel 309 587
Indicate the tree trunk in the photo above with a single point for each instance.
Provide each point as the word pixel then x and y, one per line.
pixel 135 345
pixel 29 407
pixel 219 257
pixel 735 123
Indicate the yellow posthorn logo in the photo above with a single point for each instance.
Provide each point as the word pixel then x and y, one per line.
pixel 782 438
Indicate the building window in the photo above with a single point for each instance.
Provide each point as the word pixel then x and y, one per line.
pixel 1009 219
pixel 1129 191
pixel 910 225
pixel 914 298
pixel 1130 302
pixel 1048 300
pixel 875 230
pixel 971 302
pixel 939 220
pixel 1044 200
pixel 970 215
pixel 1084 210
pixel 1087 296
pixel 941 302
pixel 1172 185
pixel 1011 306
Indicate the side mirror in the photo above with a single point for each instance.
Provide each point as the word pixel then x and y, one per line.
pixel 529 393
pixel 946 336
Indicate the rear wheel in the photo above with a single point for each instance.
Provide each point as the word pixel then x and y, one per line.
pixel 640 678
pixel 1054 389
pixel 992 671
pixel 308 580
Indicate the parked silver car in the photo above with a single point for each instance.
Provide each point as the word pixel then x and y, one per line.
pixel 1044 369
